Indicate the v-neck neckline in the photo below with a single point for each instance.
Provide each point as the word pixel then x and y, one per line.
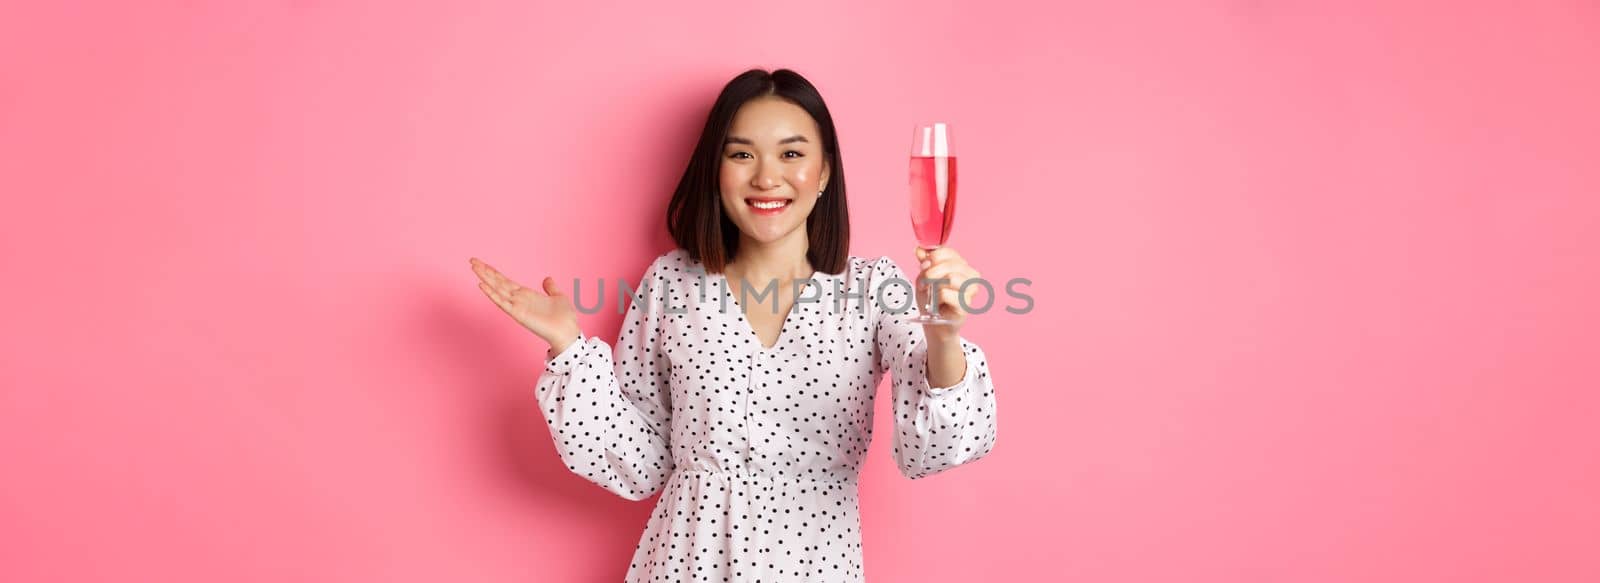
pixel 783 329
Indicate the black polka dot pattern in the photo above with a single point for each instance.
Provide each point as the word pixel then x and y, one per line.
pixel 756 451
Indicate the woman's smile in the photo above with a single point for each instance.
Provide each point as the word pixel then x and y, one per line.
pixel 767 207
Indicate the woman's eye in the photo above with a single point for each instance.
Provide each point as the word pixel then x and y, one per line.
pixel 742 155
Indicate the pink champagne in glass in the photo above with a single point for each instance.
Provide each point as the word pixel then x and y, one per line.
pixel 933 199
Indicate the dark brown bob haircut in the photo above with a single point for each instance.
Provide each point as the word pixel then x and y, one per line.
pixel 695 216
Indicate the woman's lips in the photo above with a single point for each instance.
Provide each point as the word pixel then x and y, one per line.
pixel 778 205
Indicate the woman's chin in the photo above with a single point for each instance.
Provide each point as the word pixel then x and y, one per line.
pixel 766 234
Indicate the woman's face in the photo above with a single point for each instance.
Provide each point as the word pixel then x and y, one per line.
pixel 773 156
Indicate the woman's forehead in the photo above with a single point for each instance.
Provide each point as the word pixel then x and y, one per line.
pixel 768 120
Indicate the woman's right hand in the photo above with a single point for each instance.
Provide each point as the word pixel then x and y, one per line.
pixel 548 314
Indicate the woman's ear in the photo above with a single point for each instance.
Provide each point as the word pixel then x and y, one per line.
pixel 823 183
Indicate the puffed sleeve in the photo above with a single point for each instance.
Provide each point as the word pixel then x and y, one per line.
pixel 611 418
pixel 936 428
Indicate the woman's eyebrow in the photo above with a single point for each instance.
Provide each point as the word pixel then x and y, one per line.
pixel 747 142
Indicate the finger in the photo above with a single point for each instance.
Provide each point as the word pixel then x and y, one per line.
pixel 481 270
pixel 501 283
pixel 949 295
pixel 937 268
pixel 550 287
pixel 935 279
pixel 958 288
pixel 497 278
pixel 497 284
pixel 962 267
pixel 484 271
pixel 952 271
pixel 506 288
pixel 951 267
pixel 937 258
pixel 950 299
pixel 494 296
pixel 943 254
pixel 973 291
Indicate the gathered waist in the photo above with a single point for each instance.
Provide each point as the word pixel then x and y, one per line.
pixel 744 475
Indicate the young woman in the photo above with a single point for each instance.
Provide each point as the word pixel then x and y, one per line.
pixel 742 383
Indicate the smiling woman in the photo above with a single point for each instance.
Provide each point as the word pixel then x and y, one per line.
pixel 767 161
pixel 753 423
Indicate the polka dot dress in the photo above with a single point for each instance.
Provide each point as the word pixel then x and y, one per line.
pixel 756 451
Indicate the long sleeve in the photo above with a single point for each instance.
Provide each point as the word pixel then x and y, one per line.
pixel 936 428
pixel 611 422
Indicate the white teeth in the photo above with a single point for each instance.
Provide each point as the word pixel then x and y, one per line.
pixel 769 205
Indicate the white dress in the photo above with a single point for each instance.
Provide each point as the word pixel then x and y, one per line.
pixel 757 450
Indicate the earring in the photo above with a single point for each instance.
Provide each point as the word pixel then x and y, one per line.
pixel 819 193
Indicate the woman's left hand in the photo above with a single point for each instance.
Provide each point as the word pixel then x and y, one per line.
pixel 944 263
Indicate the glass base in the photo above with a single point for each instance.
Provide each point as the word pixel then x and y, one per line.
pixel 929 319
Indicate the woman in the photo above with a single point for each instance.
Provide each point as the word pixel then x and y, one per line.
pixel 745 371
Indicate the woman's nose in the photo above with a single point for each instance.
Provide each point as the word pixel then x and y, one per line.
pixel 768 177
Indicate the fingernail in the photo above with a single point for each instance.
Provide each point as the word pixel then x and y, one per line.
pixel 926 263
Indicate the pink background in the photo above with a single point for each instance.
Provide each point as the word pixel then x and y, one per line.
pixel 1315 283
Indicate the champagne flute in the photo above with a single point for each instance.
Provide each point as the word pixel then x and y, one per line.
pixel 933 200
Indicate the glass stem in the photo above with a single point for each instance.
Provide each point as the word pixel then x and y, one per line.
pixel 930 308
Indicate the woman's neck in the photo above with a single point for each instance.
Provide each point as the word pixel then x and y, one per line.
pixel 783 260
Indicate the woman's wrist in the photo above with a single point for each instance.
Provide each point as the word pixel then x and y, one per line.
pixel 940 335
pixel 564 340
pixel 947 362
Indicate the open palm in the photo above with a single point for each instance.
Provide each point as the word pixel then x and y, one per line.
pixel 548 313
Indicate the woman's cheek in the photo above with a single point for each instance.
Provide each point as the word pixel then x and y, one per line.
pixel 804 175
